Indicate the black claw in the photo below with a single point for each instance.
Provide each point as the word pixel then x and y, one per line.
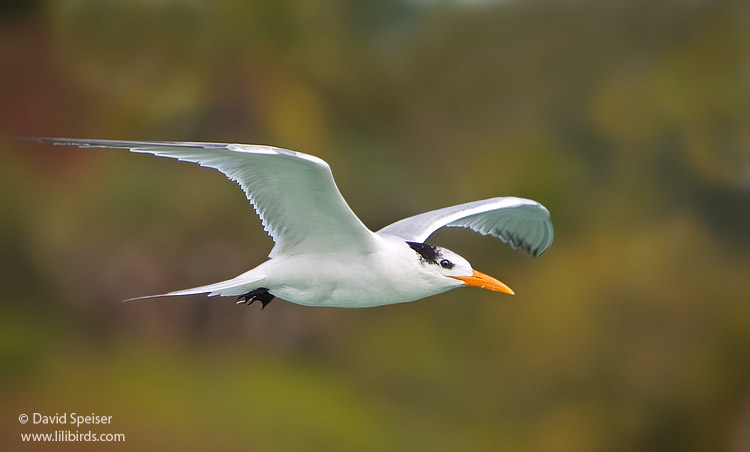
pixel 245 299
pixel 261 294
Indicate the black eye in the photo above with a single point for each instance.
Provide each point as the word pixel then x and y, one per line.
pixel 445 263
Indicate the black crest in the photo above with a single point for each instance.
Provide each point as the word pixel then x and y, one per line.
pixel 429 253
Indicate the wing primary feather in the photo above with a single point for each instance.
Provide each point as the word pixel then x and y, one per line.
pixel 516 221
pixel 294 194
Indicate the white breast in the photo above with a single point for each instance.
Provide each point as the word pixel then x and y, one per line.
pixel 390 275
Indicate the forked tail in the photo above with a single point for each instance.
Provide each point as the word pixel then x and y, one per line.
pixel 229 288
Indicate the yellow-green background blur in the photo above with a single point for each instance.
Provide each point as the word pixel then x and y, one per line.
pixel 629 120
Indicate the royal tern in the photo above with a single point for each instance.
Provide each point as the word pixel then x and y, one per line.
pixel 323 254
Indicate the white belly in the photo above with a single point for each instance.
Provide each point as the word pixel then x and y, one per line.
pixel 346 280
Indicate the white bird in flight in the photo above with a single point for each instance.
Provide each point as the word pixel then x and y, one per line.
pixel 323 254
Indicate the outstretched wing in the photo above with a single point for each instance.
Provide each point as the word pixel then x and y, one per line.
pixel 293 193
pixel 522 223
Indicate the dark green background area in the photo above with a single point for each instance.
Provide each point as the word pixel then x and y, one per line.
pixel 628 120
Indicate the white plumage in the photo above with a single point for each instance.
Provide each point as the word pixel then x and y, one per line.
pixel 323 254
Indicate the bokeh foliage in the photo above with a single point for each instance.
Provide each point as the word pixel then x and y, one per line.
pixel 629 120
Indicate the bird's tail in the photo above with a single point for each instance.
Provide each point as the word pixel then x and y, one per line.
pixel 229 288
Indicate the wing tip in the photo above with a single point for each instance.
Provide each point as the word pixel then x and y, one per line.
pixel 51 140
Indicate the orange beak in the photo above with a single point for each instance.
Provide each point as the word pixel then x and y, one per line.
pixel 479 279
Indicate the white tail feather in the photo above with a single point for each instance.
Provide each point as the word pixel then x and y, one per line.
pixel 229 288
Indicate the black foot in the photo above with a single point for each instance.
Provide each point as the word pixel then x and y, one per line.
pixel 261 294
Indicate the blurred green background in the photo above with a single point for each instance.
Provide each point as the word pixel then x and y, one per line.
pixel 629 120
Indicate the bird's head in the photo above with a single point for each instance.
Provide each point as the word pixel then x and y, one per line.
pixel 452 269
